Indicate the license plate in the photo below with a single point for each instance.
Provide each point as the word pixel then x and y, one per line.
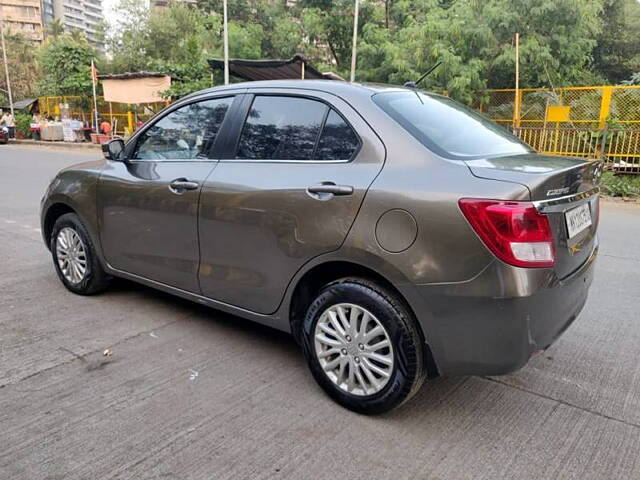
pixel 578 219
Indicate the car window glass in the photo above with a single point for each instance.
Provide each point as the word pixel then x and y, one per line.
pixel 281 128
pixel 338 141
pixel 185 133
pixel 448 127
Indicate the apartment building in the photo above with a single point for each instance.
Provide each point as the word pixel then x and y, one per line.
pixel 31 17
pixel 23 16
pixel 165 3
pixel 83 15
pixel 48 14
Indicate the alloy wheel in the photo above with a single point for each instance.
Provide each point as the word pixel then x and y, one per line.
pixel 71 255
pixel 354 349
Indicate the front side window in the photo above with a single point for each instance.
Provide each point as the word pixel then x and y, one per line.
pixel 449 128
pixel 184 134
pixel 295 128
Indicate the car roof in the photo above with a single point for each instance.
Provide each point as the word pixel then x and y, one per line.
pixel 335 87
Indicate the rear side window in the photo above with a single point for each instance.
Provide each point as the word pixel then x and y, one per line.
pixel 184 134
pixel 294 128
pixel 338 141
pixel 449 128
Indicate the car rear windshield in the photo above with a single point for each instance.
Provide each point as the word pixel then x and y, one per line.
pixel 448 128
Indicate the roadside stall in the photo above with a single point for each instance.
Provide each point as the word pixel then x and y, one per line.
pixel 137 88
pixel 28 107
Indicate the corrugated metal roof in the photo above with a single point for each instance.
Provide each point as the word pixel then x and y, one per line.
pixel 21 105
pixel 270 69
pixel 130 75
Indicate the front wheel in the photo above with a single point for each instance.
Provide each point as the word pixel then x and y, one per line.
pixel 363 346
pixel 75 258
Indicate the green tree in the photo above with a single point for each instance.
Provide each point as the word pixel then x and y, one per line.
pixel 178 41
pixel 634 79
pixel 474 42
pixel 398 40
pixel 55 29
pixel 127 43
pixel 330 23
pixel 23 69
pixel 617 53
pixel 65 63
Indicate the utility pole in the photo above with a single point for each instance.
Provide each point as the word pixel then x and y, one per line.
pixel 355 42
pixel 226 44
pixel 4 59
pixel 94 82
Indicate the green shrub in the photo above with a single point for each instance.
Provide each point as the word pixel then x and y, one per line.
pixel 23 123
pixel 620 185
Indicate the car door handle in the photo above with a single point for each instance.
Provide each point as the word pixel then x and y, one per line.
pixel 331 188
pixel 180 185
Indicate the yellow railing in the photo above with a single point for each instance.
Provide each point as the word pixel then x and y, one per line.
pixel 619 147
pixel 123 117
pixel 592 122
pixel 588 106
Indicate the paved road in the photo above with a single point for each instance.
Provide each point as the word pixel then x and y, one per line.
pixel 192 393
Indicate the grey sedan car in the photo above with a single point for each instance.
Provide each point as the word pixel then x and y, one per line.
pixel 396 234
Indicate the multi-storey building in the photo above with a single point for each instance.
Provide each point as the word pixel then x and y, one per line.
pixel 83 15
pixel 48 14
pixel 165 3
pixel 31 17
pixel 23 16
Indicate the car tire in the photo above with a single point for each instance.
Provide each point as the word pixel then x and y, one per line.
pixel 70 235
pixel 363 394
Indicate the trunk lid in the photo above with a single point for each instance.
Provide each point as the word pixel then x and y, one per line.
pixel 558 186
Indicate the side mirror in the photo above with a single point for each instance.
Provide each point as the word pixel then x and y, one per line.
pixel 113 149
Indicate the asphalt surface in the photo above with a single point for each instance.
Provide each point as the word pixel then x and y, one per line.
pixel 192 393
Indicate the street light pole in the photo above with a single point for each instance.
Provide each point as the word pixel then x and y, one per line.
pixel 226 44
pixel 4 59
pixel 355 41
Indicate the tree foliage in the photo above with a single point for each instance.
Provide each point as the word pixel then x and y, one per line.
pixel 474 40
pixel 65 63
pixel 23 69
pixel 617 53
pixel 562 42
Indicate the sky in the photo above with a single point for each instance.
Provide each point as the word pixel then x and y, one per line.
pixel 108 7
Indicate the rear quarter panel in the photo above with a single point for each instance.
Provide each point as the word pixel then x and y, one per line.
pixel 428 187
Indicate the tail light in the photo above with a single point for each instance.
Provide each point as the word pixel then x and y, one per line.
pixel 514 231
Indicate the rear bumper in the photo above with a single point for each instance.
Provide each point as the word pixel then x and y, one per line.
pixel 492 324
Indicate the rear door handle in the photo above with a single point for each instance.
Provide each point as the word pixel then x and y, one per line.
pixel 331 188
pixel 180 185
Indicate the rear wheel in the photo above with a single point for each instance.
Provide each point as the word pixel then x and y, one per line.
pixel 363 346
pixel 75 258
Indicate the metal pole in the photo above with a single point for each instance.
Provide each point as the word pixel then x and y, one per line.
pixel 95 99
pixel 355 42
pixel 6 65
pixel 603 143
pixel 226 44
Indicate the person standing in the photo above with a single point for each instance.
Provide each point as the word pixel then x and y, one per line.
pixel 7 121
pixel 105 127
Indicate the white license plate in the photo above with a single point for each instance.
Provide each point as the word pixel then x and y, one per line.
pixel 578 219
